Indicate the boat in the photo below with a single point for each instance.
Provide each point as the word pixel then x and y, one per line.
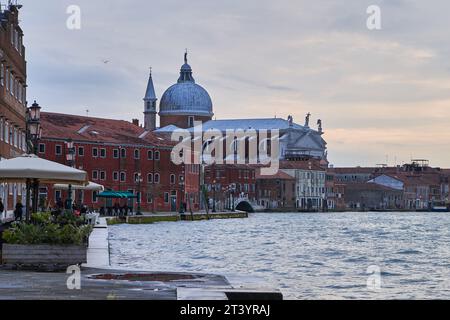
pixel 440 207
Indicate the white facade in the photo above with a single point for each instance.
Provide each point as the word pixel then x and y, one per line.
pixel 310 188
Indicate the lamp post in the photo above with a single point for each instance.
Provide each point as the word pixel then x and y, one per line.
pixel 33 132
pixel 233 189
pixel 71 162
pixel 139 181
pixel 214 196
pixel 182 184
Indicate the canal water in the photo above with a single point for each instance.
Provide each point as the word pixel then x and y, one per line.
pixel 306 256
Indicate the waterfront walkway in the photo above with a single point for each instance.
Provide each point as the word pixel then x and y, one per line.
pixel 98 281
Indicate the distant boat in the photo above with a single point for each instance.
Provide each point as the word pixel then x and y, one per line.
pixel 440 207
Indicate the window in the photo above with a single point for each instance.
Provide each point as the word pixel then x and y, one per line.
pixel 94 196
pixel 150 178
pixel 95 175
pixel 149 197
pixel 2 74
pixel 41 148
pixel 95 152
pixel 166 197
pixel 157 155
pixel 136 177
pixel 116 176
pixel 81 151
pixel 172 179
pixel 190 121
pixel 156 177
pixel 102 175
pixel 57 195
pixel 58 150
pixel 11 83
pixel 123 153
pixel 6 136
pixel 123 177
pixel 150 155
pixel 116 154
pixel 137 154
pixel 102 153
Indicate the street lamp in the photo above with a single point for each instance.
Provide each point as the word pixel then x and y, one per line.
pixel 139 181
pixel 71 161
pixel 214 196
pixel 34 126
pixel 33 132
pixel 233 189
pixel 182 184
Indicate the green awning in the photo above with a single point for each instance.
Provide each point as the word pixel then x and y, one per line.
pixel 116 195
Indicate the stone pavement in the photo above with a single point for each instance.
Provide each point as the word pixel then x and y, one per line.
pixel 98 250
pixel 27 285
pixel 98 281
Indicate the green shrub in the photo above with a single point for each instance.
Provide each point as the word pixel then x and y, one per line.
pixel 41 218
pixel 67 217
pixel 54 234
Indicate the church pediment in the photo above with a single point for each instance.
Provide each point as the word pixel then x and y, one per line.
pixel 302 140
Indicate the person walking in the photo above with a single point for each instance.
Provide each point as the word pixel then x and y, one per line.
pixel 18 213
pixel 2 208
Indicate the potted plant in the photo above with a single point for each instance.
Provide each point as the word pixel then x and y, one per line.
pixel 47 241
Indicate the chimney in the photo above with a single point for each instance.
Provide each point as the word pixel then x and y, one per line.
pixel 135 122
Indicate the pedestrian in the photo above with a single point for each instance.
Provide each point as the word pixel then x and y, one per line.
pixel 18 213
pixel 2 208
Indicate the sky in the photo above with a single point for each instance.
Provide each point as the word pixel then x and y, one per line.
pixel 383 95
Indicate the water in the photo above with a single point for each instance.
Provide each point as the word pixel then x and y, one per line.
pixel 306 256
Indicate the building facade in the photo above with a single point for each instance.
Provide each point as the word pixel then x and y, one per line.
pixel 276 191
pixel 310 188
pixel 228 183
pixel 13 101
pixel 121 156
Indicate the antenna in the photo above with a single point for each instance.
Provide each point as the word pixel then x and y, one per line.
pixel 87 112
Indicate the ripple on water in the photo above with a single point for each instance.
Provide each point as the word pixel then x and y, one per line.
pixel 306 256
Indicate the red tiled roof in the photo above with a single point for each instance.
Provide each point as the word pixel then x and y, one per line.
pixel 302 165
pixel 411 179
pixel 97 130
pixel 355 170
pixel 280 175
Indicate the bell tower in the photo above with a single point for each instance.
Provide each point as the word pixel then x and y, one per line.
pixel 150 105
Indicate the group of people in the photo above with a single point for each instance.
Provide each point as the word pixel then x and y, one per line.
pixel 116 210
pixel 18 211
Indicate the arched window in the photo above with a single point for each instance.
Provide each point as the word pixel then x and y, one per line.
pixel 150 178
pixel 157 155
pixel 156 177
pixel 137 154
pixel 150 155
pixel 172 179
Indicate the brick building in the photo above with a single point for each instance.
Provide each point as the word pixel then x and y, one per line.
pixel 119 154
pixel 231 182
pixel 13 102
pixel 276 191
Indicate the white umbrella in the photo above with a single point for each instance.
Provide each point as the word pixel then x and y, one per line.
pixel 31 167
pixel 91 186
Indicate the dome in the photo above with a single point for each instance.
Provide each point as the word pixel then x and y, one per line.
pixel 186 97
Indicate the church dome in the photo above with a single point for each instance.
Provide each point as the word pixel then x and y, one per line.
pixel 186 97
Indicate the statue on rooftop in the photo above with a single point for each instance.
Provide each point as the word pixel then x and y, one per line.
pixel 308 116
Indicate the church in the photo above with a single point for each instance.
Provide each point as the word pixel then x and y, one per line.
pixel 186 102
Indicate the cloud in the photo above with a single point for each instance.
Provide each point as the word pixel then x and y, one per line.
pixel 257 58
